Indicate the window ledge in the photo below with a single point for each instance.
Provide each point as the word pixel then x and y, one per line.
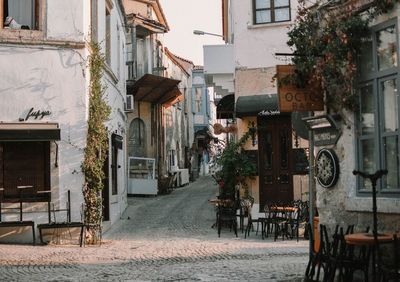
pixel 270 25
pixel 35 37
pixel 364 204
pixel 21 34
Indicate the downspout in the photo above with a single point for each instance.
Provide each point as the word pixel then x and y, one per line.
pixel 134 51
pixel 93 20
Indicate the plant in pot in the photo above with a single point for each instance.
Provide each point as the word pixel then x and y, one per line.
pixel 235 168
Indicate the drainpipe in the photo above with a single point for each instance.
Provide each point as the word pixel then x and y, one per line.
pixel 93 20
pixel 134 51
pixel 311 184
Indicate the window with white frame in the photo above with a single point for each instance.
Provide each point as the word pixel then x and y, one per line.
pixel 378 114
pixel 20 14
pixel 270 11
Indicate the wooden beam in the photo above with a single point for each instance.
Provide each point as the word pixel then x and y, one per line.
pixel 1 13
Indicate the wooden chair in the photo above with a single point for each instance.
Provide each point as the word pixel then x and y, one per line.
pixel 389 269
pixel 227 214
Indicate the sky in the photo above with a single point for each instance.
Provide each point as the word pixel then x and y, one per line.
pixel 184 16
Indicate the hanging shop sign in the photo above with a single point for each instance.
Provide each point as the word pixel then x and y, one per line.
pixel 327 168
pixel 325 128
pixel 291 98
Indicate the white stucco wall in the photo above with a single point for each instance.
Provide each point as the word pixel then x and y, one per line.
pixel 56 84
pixel 255 45
pixel 66 20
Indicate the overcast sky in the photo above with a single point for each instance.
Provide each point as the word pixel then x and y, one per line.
pixel 184 16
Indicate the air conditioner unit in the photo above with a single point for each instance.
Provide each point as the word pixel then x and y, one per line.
pixel 130 105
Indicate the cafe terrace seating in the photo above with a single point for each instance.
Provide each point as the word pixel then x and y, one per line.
pixel 348 256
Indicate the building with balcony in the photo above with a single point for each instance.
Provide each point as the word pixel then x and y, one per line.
pixel 158 83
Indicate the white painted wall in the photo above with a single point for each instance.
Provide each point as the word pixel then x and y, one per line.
pixel 114 80
pixel 255 45
pixel 65 20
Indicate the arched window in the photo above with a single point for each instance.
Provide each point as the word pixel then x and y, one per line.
pixel 137 138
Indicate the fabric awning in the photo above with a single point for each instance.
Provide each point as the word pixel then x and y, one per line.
pixel 226 107
pixel 29 132
pixel 254 105
pixel 155 89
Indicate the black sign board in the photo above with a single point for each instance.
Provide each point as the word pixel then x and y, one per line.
pixel 326 136
pixel 300 161
pixel 252 156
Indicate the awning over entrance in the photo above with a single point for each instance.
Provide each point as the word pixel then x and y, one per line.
pixel 254 105
pixel 29 131
pixel 226 107
pixel 155 89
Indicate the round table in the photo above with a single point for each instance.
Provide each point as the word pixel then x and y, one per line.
pixel 366 238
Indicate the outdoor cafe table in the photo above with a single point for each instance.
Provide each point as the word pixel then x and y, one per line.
pixel 366 239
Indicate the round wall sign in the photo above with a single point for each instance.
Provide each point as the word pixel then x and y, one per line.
pixel 327 168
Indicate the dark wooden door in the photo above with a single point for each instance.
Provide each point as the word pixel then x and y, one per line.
pixel 275 162
pixel 106 192
pixel 24 163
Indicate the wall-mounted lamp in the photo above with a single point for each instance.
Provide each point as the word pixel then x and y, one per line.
pixel 253 132
pixel 321 122
pixel 200 32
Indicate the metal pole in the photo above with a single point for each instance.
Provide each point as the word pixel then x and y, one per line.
pixel 311 185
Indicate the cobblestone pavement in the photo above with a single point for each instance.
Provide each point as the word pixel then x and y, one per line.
pixel 164 238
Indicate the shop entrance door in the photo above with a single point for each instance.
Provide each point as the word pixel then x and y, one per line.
pixel 275 162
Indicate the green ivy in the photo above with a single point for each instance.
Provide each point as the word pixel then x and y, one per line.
pixel 96 150
pixel 328 44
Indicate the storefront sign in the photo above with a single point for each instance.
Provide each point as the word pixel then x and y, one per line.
pixel 269 113
pixel 38 114
pixel 294 99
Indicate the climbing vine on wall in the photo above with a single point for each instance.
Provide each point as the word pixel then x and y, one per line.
pixel 328 42
pixel 96 150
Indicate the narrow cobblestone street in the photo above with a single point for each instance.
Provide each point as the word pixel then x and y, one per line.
pixel 164 238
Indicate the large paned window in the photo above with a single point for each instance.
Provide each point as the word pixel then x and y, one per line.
pixel 378 115
pixel 24 164
pixel 269 11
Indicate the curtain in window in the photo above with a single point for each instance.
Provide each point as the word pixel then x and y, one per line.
pixel 23 11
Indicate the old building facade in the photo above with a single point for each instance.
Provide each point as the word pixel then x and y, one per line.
pixel 45 94
pixel 248 73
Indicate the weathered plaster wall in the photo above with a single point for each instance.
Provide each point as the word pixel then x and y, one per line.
pixel 341 204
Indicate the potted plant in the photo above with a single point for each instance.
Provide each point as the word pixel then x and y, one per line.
pixel 234 169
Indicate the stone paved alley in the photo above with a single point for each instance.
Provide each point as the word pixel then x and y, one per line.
pixel 164 238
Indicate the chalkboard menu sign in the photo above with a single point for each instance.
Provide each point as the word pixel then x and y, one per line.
pixel 252 156
pixel 300 161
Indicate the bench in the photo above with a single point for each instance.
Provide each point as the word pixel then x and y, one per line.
pixel 20 222
pixel 59 225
